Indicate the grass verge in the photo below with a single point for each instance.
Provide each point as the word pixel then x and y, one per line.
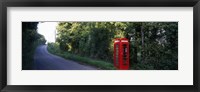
pixel 54 49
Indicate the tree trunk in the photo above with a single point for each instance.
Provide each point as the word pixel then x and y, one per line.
pixel 142 39
pixel 135 47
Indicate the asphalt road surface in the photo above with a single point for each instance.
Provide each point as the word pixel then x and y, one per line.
pixel 43 60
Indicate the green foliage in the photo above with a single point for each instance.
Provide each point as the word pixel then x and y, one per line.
pixel 30 40
pixel 54 49
pixel 153 45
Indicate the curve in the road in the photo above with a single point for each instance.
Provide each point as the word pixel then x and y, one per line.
pixel 43 60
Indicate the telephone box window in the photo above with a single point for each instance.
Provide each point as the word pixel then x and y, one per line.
pixel 117 54
pixel 124 54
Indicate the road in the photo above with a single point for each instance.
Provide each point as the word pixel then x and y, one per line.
pixel 43 60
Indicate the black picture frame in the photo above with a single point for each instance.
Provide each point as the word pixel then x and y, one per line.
pixel 99 3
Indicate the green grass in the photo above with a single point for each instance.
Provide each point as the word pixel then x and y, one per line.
pixel 54 49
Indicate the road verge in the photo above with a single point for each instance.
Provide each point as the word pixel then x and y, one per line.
pixel 54 49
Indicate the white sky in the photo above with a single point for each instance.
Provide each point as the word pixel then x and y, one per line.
pixel 48 29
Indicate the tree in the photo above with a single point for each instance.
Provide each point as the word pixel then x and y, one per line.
pixel 153 45
pixel 30 40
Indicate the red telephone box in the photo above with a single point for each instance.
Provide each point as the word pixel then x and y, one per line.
pixel 121 53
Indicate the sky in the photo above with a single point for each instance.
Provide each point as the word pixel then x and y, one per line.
pixel 48 29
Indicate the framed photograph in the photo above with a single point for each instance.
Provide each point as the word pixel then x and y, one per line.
pixel 72 45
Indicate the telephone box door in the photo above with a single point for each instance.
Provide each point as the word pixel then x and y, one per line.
pixel 116 53
pixel 124 65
